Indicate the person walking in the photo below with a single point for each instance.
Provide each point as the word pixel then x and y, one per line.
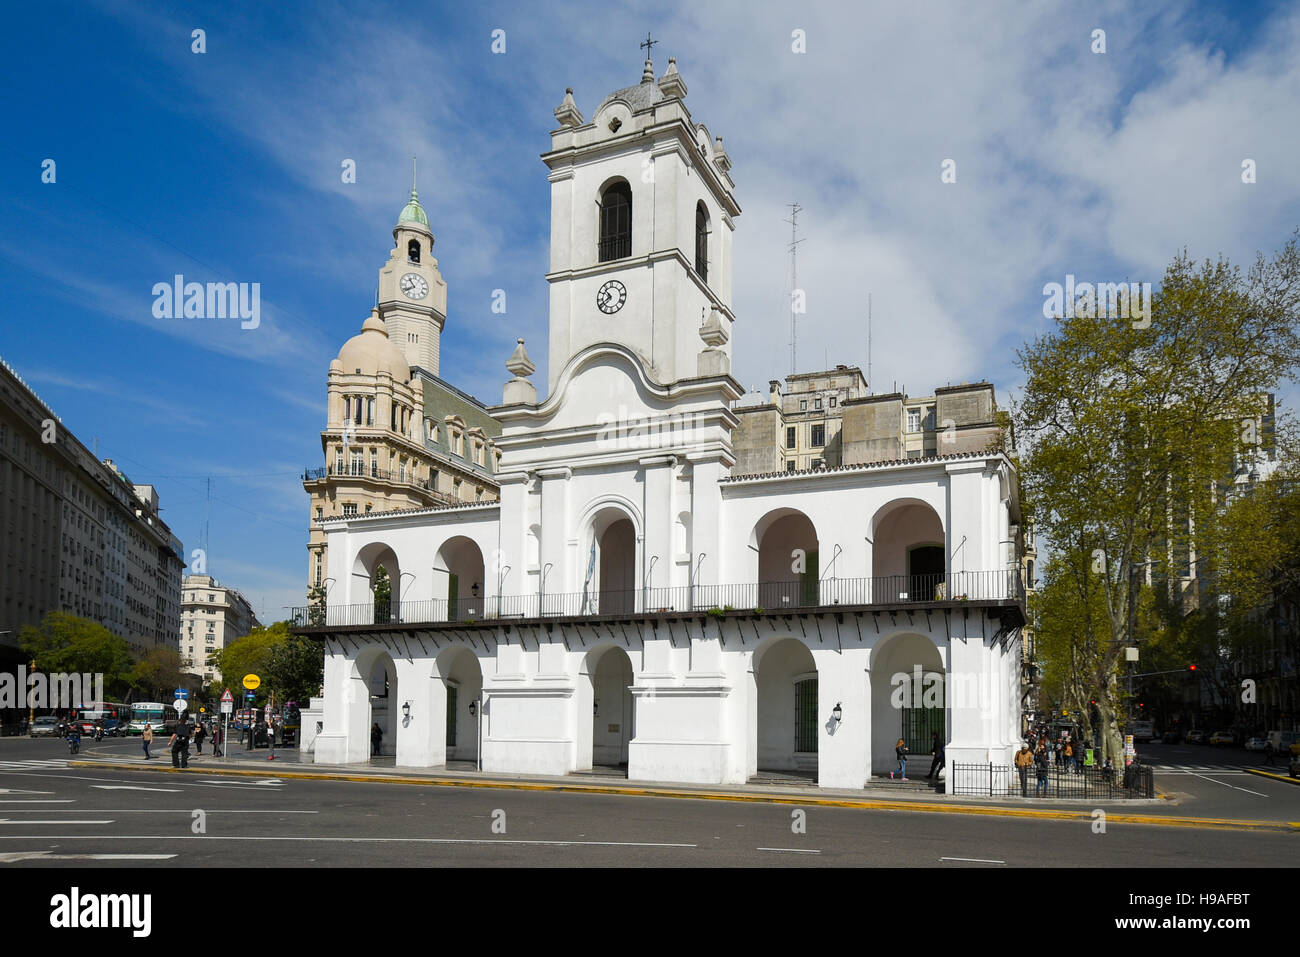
pixel 147 738
pixel 900 752
pixel 1024 758
pixel 377 737
pixel 936 748
pixel 180 745
pixel 1042 762
pixel 217 738
pixel 199 734
pixel 1070 763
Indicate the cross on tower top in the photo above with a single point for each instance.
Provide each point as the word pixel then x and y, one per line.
pixel 648 44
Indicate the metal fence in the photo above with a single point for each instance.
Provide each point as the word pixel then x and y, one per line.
pixel 1087 783
pixel 778 596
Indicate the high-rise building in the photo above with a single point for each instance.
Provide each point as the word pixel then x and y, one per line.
pixel 212 616
pixel 76 535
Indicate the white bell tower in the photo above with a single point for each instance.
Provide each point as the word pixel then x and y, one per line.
pixel 642 215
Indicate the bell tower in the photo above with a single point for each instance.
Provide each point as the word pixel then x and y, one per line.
pixel 412 298
pixel 642 216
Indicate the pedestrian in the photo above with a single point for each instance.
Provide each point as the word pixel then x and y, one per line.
pixel 1041 764
pixel 1070 763
pixel 936 748
pixel 199 734
pixel 147 737
pixel 180 745
pixel 900 752
pixel 377 737
pixel 1024 758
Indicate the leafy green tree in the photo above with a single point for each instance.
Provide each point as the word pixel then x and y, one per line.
pixel 1131 427
pixel 157 674
pixel 383 595
pixel 66 643
pixel 296 669
pixel 247 655
pixel 316 613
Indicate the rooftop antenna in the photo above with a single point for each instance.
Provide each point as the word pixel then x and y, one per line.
pixel 795 210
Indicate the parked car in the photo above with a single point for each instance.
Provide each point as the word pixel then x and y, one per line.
pixel 1256 744
pixel 1294 766
pixel 1283 742
pixel 45 726
pixel 1195 737
pixel 1170 737
pixel 1221 737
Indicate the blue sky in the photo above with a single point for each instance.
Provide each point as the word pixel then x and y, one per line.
pixel 225 166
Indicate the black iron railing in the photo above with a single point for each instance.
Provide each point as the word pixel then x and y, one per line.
pixel 894 590
pixel 1083 783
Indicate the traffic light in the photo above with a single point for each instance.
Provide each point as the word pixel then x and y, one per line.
pixel 1141 705
pixel 1191 667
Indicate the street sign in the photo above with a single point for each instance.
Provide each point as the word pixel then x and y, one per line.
pixel 182 693
pixel 227 697
pixel 180 704
pixel 252 682
pixel 227 707
pixel 250 696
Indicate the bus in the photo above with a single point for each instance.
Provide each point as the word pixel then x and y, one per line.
pixel 161 717
pixel 112 714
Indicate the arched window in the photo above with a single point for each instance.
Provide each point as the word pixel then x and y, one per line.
pixel 616 222
pixel 701 242
pixel 413 251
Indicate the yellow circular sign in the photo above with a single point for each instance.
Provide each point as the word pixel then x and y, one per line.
pixel 251 682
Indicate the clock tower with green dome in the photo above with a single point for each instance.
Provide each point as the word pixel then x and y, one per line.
pixel 412 298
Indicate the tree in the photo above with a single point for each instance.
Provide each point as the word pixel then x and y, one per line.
pixel 1130 428
pixel 383 595
pixel 316 612
pixel 296 668
pixel 248 655
pixel 66 643
pixel 157 674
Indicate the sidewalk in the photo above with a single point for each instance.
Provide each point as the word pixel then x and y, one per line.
pixel 879 793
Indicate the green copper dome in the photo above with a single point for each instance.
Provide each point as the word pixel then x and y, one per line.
pixel 413 212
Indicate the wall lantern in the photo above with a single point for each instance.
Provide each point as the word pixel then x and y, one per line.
pixel 838 713
pixel 406 711
pixel 473 708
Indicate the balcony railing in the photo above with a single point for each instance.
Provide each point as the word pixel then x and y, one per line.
pixel 893 590
pixel 384 475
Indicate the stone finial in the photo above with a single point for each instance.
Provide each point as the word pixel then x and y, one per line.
pixel 567 112
pixel 519 364
pixel 519 390
pixel 720 157
pixel 712 360
pixel 671 83
pixel 648 74
pixel 713 332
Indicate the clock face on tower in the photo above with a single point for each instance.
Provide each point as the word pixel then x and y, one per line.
pixel 611 296
pixel 414 286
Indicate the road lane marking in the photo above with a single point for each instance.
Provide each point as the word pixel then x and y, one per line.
pixel 1227 785
pixel 971 860
pixel 42 801
pixel 20 791
pixel 150 810
pixel 326 840
pixel 5 820
pixel 133 787
pixel 16 856
pixel 789 850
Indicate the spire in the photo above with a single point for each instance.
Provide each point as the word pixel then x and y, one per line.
pixel 671 82
pixel 413 212
pixel 648 74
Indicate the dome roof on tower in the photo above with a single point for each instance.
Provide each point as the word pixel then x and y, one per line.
pixel 640 97
pixel 413 212
pixel 372 352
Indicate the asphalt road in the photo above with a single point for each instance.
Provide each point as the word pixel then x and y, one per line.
pixel 56 816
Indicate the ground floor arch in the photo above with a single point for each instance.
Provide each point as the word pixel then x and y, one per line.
pixel 606 710
pixel 785 706
pixel 908 701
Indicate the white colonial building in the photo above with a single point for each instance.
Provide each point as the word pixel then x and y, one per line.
pixel 633 600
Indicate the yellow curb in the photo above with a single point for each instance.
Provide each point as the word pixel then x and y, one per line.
pixel 766 798
pixel 1276 777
